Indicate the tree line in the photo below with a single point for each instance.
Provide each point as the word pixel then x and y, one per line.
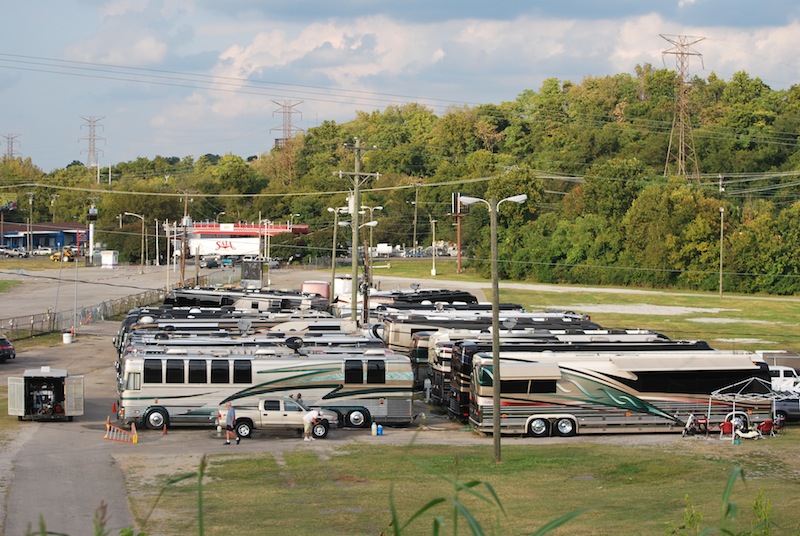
pixel 605 206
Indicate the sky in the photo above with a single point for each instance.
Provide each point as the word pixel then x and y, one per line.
pixel 191 77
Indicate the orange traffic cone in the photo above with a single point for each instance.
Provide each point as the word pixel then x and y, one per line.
pixel 165 430
pixel 114 408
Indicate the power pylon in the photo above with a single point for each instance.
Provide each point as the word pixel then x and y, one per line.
pixel 681 151
pixel 92 121
pixel 286 109
pixel 10 152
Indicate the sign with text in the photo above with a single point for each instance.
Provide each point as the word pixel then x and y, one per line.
pixel 224 246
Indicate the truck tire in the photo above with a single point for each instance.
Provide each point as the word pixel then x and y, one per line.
pixel 244 428
pixel 320 430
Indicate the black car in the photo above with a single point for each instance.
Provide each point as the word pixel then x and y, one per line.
pixel 209 263
pixel 6 350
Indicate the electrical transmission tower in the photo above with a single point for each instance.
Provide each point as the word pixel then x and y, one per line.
pixel 681 151
pixel 286 109
pixel 92 121
pixel 10 145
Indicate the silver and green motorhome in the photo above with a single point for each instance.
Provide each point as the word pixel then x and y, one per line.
pixel 568 393
pixel 188 388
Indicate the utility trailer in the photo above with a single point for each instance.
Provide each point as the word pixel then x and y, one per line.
pixel 45 394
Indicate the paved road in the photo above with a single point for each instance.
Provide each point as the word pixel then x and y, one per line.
pixel 62 471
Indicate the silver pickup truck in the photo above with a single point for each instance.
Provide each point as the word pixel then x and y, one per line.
pixel 277 413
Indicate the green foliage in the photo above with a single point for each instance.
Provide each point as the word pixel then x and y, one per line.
pixel 623 222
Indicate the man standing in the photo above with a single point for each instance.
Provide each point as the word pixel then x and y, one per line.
pixel 230 424
pixel 309 420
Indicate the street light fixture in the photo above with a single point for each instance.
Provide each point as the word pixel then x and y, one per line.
pixel 216 218
pixel 141 253
pixel 493 204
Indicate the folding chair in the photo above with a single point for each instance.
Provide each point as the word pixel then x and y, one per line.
pixel 725 429
pixel 766 428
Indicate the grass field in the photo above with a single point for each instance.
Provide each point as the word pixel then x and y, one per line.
pixel 629 489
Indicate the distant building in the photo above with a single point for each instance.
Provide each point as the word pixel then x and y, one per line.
pixel 53 235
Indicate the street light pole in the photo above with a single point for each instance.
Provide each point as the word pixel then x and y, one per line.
pixel 433 246
pixel 371 218
pixel 493 204
pixel 336 212
pixel 721 236
pixel 141 253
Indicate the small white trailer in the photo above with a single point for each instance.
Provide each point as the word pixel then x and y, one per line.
pixel 45 394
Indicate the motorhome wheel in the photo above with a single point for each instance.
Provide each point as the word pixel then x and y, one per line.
pixel 539 428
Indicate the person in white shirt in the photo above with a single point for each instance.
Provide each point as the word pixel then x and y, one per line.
pixel 309 420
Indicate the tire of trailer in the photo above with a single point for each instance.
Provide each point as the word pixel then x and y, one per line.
pixel 566 427
pixel 156 419
pixel 358 418
pixel 539 427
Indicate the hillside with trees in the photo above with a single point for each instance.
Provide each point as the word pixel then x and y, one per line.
pixel 604 208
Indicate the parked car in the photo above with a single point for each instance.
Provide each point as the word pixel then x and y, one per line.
pixel 42 251
pixel 209 263
pixel 16 252
pixel 6 350
pixel 788 408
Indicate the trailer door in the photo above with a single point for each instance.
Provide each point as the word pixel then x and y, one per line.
pixel 73 396
pixel 16 396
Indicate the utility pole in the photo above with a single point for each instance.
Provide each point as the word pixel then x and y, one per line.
pixel 682 151
pixel 353 208
pixel 456 210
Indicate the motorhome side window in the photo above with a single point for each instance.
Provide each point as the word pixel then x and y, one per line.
pixel 376 371
pixel 175 371
pixel 134 381
pixel 198 371
pixel 353 371
pixel 152 371
pixel 242 371
pixel 220 371
pixel 514 386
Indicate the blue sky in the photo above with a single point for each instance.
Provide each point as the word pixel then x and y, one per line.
pixel 190 77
